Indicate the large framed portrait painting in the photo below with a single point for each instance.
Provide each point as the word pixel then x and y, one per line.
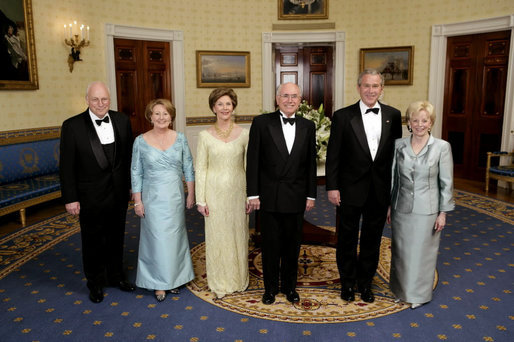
pixel 302 9
pixel 18 69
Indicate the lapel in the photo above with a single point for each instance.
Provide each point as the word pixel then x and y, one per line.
pixel 117 139
pixel 275 129
pixel 94 141
pixel 386 128
pixel 358 128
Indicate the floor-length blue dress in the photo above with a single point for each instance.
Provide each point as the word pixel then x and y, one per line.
pixel 164 260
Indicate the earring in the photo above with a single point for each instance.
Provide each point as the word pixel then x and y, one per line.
pixel 409 128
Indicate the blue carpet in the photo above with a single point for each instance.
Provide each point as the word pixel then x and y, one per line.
pixel 43 294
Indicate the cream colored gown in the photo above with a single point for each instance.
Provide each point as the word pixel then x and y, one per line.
pixel 221 184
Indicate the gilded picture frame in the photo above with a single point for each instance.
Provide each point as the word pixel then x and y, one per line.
pixel 395 63
pixel 18 66
pixel 302 9
pixel 222 69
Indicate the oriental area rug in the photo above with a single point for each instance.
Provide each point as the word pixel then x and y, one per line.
pixel 43 293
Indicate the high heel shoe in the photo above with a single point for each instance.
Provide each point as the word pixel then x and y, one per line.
pixel 160 297
pixel 175 291
pixel 397 300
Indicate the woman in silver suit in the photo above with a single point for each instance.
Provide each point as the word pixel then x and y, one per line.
pixel 422 194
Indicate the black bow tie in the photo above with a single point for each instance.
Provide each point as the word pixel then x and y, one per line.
pixel 99 122
pixel 374 110
pixel 288 120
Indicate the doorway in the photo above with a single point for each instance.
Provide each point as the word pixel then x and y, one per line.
pixel 175 38
pixel 474 99
pixel 142 74
pixel 311 67
pixel 272 39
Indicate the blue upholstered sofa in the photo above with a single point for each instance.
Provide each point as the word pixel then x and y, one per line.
pixel 29 169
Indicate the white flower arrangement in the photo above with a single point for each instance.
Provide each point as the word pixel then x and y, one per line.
pixel 322 127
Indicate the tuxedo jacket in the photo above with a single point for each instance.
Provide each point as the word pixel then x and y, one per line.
pixel 282 181
pixel 350 167
pixel 86 174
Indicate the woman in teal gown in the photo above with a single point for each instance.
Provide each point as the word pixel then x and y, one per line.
pixel 160 158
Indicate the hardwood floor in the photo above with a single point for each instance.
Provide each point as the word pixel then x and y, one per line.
pixel 34 214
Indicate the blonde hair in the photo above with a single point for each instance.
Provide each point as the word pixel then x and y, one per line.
pixel 418 106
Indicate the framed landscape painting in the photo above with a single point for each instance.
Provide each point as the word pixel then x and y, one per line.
pixel 18 69
pixel 222 69
pixel 395 63
pixel 302 9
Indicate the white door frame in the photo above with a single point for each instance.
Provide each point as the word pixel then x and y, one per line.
pixel 268 74
pixel 440 34
pixel 176 40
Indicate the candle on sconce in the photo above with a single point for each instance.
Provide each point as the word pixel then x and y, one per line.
pixel 87 34
pixel 70 30
pixel 82 32
pixel 65 32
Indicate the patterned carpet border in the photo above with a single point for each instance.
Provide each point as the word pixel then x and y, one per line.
pixel 503 211
pixel 27 243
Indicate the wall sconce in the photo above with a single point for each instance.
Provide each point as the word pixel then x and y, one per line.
pixel 76 40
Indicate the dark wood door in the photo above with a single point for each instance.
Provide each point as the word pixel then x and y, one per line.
pixel 142 74
pixel 474 98
pixel 309 67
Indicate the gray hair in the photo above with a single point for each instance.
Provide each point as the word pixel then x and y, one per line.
pixel 279 88
pixel 95 83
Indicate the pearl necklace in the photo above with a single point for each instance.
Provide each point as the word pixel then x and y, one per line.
pixel 224 134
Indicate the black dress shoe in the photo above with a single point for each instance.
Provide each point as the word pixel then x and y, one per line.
pixel 367 296
pixel 347 294
pixel 293 296
pixel 268 298
pixel 96 295
pixel 126 286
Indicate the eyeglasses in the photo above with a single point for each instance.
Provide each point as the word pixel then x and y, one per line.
pixel 103 100
pixel 289 96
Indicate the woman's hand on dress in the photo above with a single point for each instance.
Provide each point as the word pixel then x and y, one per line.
pixel 203 209
pixel 388 220
pixel 440 221
pixel 139 209
pixel 190 200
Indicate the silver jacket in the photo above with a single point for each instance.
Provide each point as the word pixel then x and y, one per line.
pixel 423 183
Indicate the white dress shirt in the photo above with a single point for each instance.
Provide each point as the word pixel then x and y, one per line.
pixel 105 131
pixel 372 126
pixel 289 131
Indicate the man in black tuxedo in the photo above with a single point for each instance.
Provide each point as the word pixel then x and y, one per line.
pixel 281 184
pixel 358 181
pixel 96 150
